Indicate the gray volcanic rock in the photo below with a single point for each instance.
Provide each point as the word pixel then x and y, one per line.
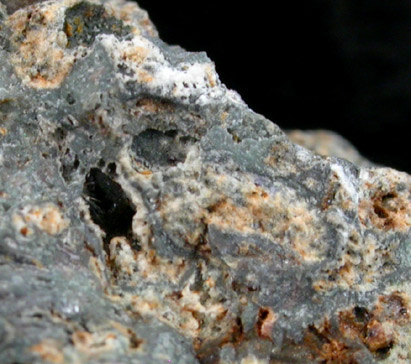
pixel 147 215
pixel 328 143
pixel 12 6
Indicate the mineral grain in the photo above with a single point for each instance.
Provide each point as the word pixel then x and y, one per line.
pixel 147 215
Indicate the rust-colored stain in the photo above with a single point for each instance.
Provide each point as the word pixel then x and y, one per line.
pixel 387 211
pixel 49 350
pixel 374 328
pixel 93 343
pixel 386 203
pixel 152 106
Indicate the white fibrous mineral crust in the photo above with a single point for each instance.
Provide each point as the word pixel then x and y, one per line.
pixel 147 215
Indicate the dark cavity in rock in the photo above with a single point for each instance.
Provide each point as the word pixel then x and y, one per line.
pixel 110 208
pixel 161 149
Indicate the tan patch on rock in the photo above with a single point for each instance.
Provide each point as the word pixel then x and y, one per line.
pixel 144 76
pixel 151 106
pixel 47 218
pixel 279 158
pixel 122 256
pixel 281 217
pixel 134 342
pixel 135 54
pixel 386 202
pixel 210 73
pixel 251 359
pixel 97 267
pixel 39 56
pixel 192 313
pixel 346 276
pixel 265 323
pixel 21 225
pixel 93 343
pixel 224 115
pixel 271 216
pixel 49 351
pixel 146 305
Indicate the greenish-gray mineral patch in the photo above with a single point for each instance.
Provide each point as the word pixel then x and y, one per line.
pixel 84 21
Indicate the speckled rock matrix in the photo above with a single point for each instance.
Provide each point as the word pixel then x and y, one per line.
pixel 147 215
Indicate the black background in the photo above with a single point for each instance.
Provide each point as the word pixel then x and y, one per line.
pixel 342 65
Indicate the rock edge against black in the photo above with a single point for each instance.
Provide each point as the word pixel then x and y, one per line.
pixel 147 215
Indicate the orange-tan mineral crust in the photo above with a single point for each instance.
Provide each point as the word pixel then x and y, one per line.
pixel 147 215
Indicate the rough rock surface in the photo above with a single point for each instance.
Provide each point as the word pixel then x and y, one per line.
pixel 328 143
pixel 147 215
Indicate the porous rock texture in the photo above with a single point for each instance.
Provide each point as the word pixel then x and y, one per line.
pixel 147 215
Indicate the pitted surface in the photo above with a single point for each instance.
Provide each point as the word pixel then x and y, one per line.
pixel 147 215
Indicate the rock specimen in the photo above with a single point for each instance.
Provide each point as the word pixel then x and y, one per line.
pixel 327 143
pixel 147 215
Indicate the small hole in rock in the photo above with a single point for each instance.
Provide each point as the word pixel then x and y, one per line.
pixel 111 168
pixel 135 245
pixel 381 213
pixel 76 163
pixel 110 208
pixel 384 352
pixel 101 163
pixel 361 314
pixel 70 99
